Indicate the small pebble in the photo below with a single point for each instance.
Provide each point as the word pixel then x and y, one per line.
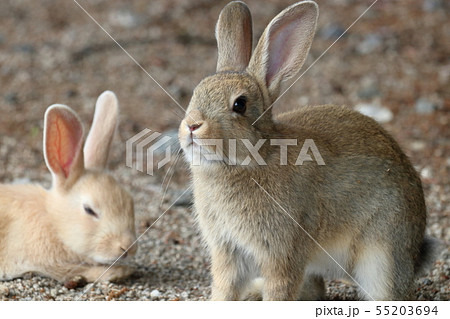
pixel 53 292
pixel 432 5
pixel 155 294
pixel 331 31
pixel 426 172
pixel 123 18
pixel 418 145
pixel 75 282
pixel 379 113
pixel 368 92
pixel 370 43
pixel 4 291
pixel 12 98
pixel 425 106
pixel 25 48
pixel 426 281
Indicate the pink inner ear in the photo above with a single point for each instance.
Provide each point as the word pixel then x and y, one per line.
pixel 63 142
pixel 281 47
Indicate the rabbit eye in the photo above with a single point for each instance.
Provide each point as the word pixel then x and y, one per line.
pixel 90 211
pixel 240 105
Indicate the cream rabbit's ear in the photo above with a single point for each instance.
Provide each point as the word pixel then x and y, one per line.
pixel 284 45
pixel 63 142
pixel 98 142
pixel 234 37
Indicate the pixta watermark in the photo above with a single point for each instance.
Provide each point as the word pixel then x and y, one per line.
pixel 147 150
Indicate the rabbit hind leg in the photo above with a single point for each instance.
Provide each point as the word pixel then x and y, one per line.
pixel 313 288
pixel 383 274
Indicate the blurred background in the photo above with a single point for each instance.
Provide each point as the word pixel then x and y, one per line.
pixel 394 63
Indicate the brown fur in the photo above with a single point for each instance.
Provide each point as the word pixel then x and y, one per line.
pixel 365 206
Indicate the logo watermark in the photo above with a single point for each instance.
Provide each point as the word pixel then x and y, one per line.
pixel 153 149
pixel 146 143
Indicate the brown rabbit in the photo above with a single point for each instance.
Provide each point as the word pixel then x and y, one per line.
pixel 361 216
pixel 85 221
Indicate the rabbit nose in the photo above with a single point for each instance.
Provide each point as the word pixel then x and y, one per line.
pixel 194 127
pixel 129 250
pixel 125 252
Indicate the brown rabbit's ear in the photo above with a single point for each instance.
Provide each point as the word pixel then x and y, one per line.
pixel 234 37
pixel 284 45
pixel 98 142
pixel 63 142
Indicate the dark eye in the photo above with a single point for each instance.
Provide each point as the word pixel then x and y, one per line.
pixel 240 105
pixel 90 211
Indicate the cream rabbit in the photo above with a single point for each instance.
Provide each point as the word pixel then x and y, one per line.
pixel 85 221
pixel 365 207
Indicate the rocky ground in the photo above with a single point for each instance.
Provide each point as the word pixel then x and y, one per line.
pixel 393 64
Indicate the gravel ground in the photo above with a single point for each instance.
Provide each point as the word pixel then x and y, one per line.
pixel 394 63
